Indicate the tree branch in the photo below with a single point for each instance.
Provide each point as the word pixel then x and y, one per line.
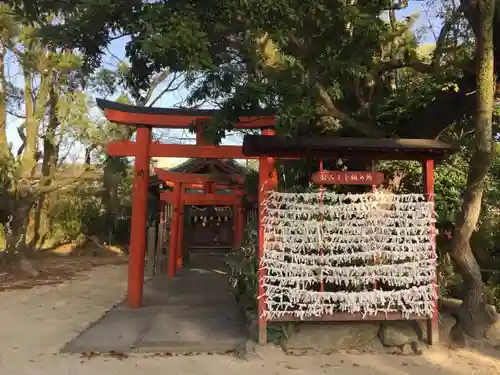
pixel 443 34
pixel 329 106
pixel 20 132
pixel 409 61
pixel 12 113
pixel 167 89
pixel 332 110
pixel 61 184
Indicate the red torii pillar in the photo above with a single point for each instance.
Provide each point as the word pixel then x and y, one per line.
pixel 137 249
pixel 180 231
pixel 238 223
pixel 433 323
pixel 161 221
pixel 174 225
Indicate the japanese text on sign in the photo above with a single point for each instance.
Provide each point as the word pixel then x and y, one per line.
pixel 347 178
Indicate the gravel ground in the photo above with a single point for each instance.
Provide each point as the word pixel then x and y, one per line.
pixel 37 322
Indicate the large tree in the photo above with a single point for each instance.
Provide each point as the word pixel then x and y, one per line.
pixel 50 84
pixel 473 316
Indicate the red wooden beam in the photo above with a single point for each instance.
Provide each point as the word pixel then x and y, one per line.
pixel 176 118
pixel 167 196
pixel 128 148
pixel 192 178
pixel 217 186
pixel 348 317
pixel 195 199
pixel 210 200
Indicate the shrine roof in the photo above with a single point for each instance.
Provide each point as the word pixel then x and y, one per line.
pixel 179 118
pixel 222 170
pixel 355 148
pixel 196 164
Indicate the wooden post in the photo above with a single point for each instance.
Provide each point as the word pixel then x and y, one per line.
pixel 139 219
pixel 151 246
pixel 262 301
pixel 174 224
pixel 160 239
pixel 180 236
pixel 159 249
pixel 267 181
pixel 241 221
pixel 236 225
pixel 433 323
pixel 200 141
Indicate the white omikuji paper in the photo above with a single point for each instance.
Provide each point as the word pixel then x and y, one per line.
pixel 301 249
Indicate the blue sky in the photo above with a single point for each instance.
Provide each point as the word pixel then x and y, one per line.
pixel 427 22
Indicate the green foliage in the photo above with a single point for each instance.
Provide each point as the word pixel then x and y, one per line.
pixel 245 269
pixel 248 55
pixel 75 212
pixel 82 210
pixel 493 289
pixel 8 168
pixel 6 197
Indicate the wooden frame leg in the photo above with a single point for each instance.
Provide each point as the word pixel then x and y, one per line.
pixel 433 330
pixel 262 331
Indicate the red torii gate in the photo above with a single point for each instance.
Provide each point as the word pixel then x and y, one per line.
pixel 178 198
pixel 145 118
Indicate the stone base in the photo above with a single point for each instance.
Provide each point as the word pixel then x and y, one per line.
pixel 401 337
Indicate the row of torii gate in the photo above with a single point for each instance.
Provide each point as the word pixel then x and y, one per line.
pixel 179 197
pixel 144 148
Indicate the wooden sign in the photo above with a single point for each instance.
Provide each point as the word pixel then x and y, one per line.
pixel 347 178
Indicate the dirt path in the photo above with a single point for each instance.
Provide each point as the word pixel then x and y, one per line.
pixel 36 323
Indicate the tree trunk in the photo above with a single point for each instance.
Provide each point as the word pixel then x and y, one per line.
pixel 24 197
pixel 31 125
pixel 4 149
pixel 49 163
pixel 473 318
pixel 16 229
pixel 111 179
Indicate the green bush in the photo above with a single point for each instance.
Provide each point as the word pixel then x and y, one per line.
pixel 245 268
pixel 75 211
pixel 82 211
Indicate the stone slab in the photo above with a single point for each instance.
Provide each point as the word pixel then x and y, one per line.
pixel 118 330
pixel 194 312
pixel 184 324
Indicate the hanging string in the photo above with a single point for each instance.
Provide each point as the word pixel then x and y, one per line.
pixel 374 259
pixel 321 220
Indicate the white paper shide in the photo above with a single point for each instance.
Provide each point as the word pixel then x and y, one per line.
pixel 349 242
